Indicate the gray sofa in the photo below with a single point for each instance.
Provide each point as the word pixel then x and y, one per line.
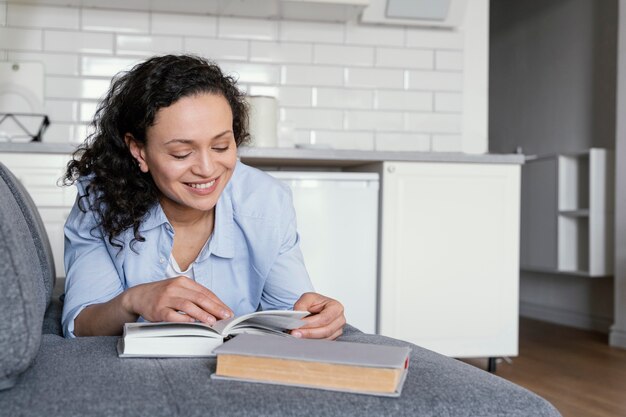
pixel 43 374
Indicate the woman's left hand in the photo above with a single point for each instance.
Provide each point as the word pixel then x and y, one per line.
pixel 326 321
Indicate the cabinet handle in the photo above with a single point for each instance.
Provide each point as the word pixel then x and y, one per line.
pixel 391 169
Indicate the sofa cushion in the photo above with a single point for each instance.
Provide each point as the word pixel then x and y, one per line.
pixel 36 227
pixel 84 377
pixel 23 296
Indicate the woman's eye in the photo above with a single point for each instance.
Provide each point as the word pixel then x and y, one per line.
pixel 181 156
pixel 224 149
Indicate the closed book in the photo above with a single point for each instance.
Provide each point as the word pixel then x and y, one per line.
pixel 339 366
pixel 174 339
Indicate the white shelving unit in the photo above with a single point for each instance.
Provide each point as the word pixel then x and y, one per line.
pixel 567 214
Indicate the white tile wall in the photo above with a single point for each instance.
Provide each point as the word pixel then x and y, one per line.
pixel 279 52
pixel 343 98
pixel 78 42
pixel 402 142
pixel 344 55
pixel 257 29
pixel 148 45
pixel 20 39
pixel 181 24
pixel 21 15
pixel 54 63
pixel 319 32
pixel 346 85
pixel 218 49
pixel 3 13
pixel 115 21
pixel 449 60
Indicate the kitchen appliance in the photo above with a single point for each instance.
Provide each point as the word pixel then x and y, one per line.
pixel 337 215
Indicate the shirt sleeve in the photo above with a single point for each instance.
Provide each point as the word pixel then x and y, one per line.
pixel 288 278
pixel 91 274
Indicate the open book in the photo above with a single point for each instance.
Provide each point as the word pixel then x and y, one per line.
pixel 167 339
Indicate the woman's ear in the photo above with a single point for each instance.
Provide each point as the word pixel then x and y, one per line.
pixel 137 151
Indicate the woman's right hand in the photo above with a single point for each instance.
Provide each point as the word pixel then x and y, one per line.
pixel 165 301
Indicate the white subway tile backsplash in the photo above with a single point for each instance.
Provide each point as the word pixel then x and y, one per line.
pixel 22 15
pixel 312 75
pixel 65 133
pixel 449 60
pixel 105 66
pixel 374 78
pixel 54 64
pixel 344 140
pixel 404 100
pixel 252 73
pixel 20 39
pixel 61 111
pixel 318 32
pixel 435 80
pixel 411 142
pixel 115 21
pixel 281 52
pixel 343 98
pixel 434 38
pixel 252 29
pixel 374 120
pixel 286 96
pixel 182 24
pixel 343 55
pixel 90 43
pixel 75 88
pixel 447 143
pixel 449 102
pixel 434 122
pixel 313 118
pixel 217 49
pixel 148 45
pixel 373 35
pixel 345 85
pixel 87 110
pixel 404 58
pixel 3 14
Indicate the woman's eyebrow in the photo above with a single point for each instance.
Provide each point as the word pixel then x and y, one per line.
pixel 188 141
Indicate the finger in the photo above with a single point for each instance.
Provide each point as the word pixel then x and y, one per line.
pixel 171 315
pixel 320 332
pixel 204 298
pixel 330 312
pixel 336 334
pixel 212 306
pixel 195 312
pixel 306 300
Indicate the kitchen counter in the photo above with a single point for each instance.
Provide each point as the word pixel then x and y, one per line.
pixel 310 157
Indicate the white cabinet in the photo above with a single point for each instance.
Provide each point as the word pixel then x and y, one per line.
pixel 40 174
pixel 449 256
pixel 567 214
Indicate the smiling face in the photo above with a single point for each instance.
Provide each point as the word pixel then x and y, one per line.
pixel 190 152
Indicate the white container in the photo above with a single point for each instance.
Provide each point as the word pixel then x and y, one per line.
pixel 263 119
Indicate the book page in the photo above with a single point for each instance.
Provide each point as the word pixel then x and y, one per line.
pixel 143 329
pixel 276 319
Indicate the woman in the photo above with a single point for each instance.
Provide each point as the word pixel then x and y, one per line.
pixel 168 225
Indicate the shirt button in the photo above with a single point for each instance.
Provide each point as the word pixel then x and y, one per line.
pixel 162 260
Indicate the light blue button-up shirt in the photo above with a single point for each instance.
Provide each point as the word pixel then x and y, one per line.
pixel 253 260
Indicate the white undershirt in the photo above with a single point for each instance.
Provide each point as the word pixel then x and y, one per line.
pixel 173 270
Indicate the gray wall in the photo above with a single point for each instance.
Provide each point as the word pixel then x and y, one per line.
pixel 552 90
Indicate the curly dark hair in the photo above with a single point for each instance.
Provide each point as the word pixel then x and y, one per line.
pixel 123 193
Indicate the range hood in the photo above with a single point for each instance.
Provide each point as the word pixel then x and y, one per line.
pixel 436 13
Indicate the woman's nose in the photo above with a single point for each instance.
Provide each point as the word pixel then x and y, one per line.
pixel 203 165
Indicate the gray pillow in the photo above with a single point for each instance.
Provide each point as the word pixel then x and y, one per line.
pixel 23 294
pixel 36 227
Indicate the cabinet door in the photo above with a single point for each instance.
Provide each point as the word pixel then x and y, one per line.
pixel 450 257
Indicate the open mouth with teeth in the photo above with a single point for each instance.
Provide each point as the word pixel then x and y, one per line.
pixel 202 187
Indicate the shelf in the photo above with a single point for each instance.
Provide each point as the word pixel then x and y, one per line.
pixel 575 213
pixel 585 274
